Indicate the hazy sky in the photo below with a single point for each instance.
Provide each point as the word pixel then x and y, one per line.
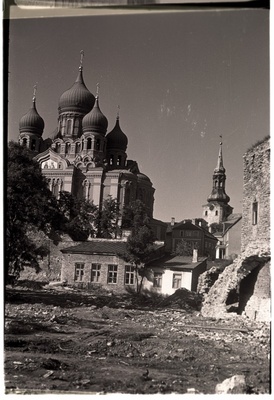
pixel 181 80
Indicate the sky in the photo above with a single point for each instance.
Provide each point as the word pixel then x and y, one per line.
pixel 181 80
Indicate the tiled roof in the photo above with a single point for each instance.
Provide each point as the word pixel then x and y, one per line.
pixel 177 262
pixel 103 246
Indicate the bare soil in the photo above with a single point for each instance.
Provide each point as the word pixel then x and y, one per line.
pixel 65 340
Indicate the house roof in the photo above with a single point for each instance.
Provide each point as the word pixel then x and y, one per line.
pixel 102 246
pixel 231 220
pixel 187 225
pixel 178 263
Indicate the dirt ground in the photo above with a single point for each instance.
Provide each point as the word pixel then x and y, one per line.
pixel 65 340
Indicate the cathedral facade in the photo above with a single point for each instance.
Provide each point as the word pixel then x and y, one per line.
pixel 82 157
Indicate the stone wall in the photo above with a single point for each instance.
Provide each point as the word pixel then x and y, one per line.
pixel 244 286
pixel 256 189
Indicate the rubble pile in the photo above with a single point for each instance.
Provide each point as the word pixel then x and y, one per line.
pixel 184 299
pixel 207 279
pixel 99 348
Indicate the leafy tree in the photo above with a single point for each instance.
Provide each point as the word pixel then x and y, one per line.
pixel 30 207
pixel 183 248
pixel 80 216
pixel 139 247
pixel 107 220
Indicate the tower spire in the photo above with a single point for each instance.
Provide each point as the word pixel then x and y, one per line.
pixel 220 164
pixel 118 112
pixel 97 89
pixel 34 93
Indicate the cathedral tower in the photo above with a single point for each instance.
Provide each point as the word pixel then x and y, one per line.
pixel 217 208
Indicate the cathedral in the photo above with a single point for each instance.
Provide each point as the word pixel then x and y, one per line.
pixel 82 157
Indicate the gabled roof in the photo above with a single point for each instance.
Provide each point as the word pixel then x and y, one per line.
pixel 176 263
pixel 103 246
pixel 187 225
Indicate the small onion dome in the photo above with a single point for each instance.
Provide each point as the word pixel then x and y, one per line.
pixel 95 121
pixel 116 139
pixel 143 177
pixel 78 98
pixel 218 195
pixel 31 122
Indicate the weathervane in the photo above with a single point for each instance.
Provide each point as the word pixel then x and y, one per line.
pixel 118 111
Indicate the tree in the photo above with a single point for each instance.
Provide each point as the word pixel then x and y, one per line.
pixel 139 246
pixel 183 248
pixel 80 216
pixel 30 207
pixel 107 220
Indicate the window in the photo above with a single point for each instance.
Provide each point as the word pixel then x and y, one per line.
pixel 216 212
pixel 206 213
pixel 89 143
pixel 112 273
pixel 95 272
pixel 255 213
pixel 79 271
pixel 188 233
pixel 98 144
pixel 33 144
pixel 129 275
pixel 119 160
pixel 157 280
pixel 177 280
pixel 69 127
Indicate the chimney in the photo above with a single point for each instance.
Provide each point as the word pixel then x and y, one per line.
pixel 172 221
pixel 195 256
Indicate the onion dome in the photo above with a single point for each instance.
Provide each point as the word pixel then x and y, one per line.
pixel 78 98
pixel 143 177
pixel 116 139
pixel 218 195
pixel 95 121
pixel 32 122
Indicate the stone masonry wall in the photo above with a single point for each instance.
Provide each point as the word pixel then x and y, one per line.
pixel 256 237
pixel 68 271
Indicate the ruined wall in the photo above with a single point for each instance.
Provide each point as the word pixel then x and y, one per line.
pixel 256 189
pixel 244 286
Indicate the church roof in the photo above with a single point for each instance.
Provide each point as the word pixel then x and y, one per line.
pixel 95 121
pixel 116 139
pixel 32 122
pixel 78 98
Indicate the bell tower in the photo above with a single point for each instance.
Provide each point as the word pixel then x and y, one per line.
pixel 217 208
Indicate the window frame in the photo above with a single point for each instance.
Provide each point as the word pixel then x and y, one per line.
pixel 79 267
pixel 97 272
pixel 129 275
pixel 157 279
pixel 174 280
pixel 112 276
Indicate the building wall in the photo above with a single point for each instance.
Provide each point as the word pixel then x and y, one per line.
pixel 258 306
pixel 256 189
pixel 233 238
pixel 68 271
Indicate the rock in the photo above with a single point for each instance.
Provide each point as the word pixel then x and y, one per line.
pixel 234 385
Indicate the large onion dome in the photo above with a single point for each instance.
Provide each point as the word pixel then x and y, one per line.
pixel 78 98
pixel 116 139
pixel 95 121
pixel 218 195
pixel 32 122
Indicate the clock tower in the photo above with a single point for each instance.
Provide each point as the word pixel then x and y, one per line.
pixel 217 208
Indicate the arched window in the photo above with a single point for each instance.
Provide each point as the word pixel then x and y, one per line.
pixel 58 147
pixel 25 142
pixel 77 147
pixel 111 160
pixel 89 143
pixel 69 127
pixel 33 144
pixel 216 212
pixel 67 147
pixel 119 160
